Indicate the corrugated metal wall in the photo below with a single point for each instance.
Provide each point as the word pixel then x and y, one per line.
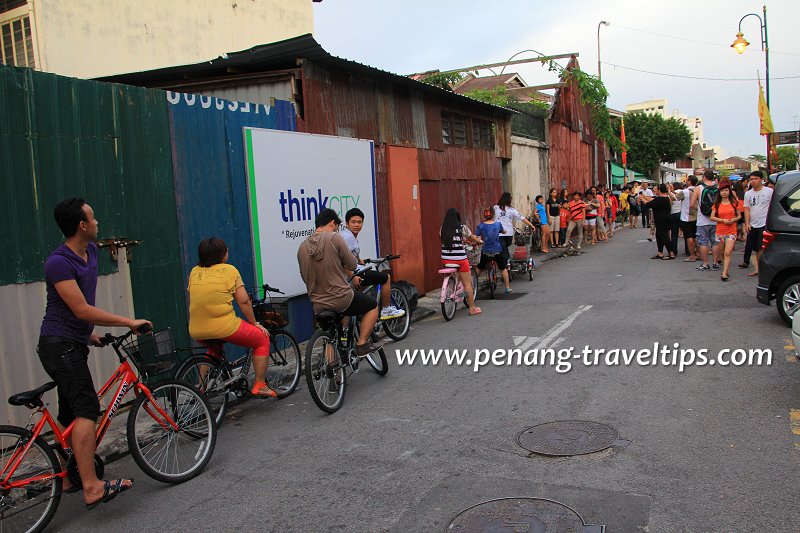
pixel 110 144
pixel 470 197
pixel 211 182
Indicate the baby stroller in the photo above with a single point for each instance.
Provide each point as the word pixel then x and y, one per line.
pixel 520 260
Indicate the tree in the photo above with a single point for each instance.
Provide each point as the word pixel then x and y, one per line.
pixel 757 157
pixel 443 81
pixel 787 157
pixel 652 139
pixel 497 96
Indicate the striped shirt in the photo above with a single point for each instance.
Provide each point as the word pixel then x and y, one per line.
pixel 456 252
pixel 576 210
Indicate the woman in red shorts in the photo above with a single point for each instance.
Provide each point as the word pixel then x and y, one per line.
pixel 454 235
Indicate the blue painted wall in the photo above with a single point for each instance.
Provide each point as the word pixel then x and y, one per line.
pixel 211 181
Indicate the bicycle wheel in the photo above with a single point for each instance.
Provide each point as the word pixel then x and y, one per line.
pixel 492 275
pixel 324 373
pixel 449 303
pixel 165 452
pixel 397 328
pixel 283 373
pixel 29 507
pixel 212 378
pixel 377 359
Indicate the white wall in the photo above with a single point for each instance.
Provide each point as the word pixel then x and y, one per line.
pixel 91 38
pixel 22 308
pixel 529 172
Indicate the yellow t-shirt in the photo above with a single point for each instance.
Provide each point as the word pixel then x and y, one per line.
pixel 211 289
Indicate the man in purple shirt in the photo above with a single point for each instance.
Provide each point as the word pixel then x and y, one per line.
pixel 67 328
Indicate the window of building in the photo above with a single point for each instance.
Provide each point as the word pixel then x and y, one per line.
pixel 460 130
pixel 16 42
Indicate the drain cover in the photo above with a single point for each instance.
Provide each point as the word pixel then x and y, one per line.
pixel 529 515
pixel 567 437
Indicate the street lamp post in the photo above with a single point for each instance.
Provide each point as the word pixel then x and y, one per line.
pixel 740 44
pixel 602 23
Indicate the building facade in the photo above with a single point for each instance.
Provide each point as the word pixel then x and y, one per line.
pixel 87 38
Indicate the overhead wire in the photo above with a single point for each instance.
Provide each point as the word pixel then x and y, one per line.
pixel 692 40
pixel 696 77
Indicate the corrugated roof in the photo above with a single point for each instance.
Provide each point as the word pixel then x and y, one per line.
pixel 275 56
pixel 474 83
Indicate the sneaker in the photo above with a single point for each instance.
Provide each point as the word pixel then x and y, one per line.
pixel 716 266
pixel 509 291
pixel 578 247
pixel 369 347
pixel 391 312
pixel 703 267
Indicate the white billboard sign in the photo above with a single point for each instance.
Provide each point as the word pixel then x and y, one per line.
pixel 291 177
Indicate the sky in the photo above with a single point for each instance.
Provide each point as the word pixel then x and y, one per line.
pixel 678 38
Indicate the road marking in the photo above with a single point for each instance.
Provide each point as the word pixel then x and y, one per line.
pixel 523 343
pixel 554 332
pixel 794 421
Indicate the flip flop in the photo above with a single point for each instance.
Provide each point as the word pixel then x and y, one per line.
pixel 666 258
pixel 110 491
pixel 688 260
pixel 262 390
pixel 475 311
pixel 752 274
pixel 657 257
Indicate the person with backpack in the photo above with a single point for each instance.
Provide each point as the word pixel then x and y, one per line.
pixel 703 199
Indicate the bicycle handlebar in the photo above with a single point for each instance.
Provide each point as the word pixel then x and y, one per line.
pixel 381 259
pixel 267 288
pixel 359 273
pixel 116 340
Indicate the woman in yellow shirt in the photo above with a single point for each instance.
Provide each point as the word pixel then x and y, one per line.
pixel 213 285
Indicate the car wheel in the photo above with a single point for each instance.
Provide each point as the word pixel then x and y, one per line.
pixel 788 298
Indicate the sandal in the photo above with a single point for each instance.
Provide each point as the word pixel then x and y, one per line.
pixel 723 278
pixel 657 257
pixel 667 258
pixel 262 390
pixel 110 491
pixel 475 311
pixel 752 274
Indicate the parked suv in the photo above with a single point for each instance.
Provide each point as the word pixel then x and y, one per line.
pixel 779 267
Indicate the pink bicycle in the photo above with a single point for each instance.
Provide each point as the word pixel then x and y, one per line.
pixel 453 290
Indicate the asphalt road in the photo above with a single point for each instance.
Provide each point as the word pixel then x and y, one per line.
pixel 711 449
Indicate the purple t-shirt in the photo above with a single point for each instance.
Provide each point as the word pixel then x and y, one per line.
pixel 63 264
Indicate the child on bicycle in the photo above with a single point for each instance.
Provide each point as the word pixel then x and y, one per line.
pixel 454 235
pixel 354 221
pixel 489 230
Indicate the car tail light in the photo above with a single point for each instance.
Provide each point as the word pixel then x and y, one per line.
pixel 767 239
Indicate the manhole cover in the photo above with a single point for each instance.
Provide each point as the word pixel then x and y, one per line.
pixel 567 437
pixel 528 515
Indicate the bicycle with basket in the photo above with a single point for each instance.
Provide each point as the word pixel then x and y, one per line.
pixel 171 433
pixel 520 260
pixel 219 378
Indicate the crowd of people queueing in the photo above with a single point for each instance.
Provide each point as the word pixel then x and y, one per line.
pixel 711 214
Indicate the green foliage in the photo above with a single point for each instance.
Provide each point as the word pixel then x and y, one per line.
pixel 443 81
pixel 757 157
pixel 652 139
pixel 787 157
pixel 594 93
pixel 496 96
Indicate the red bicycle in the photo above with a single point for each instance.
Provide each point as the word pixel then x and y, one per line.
pixel 171 434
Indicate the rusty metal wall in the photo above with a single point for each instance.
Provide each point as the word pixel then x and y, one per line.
pixel 469 196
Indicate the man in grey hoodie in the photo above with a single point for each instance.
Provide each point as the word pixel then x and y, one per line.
pixel 325 264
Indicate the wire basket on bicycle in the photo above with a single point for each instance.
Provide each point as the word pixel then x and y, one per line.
pixel 152 354
pixel 272 313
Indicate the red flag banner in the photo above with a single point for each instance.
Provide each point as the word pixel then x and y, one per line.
pixel 624 150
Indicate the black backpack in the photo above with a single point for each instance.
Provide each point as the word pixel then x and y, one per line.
pixel 707 198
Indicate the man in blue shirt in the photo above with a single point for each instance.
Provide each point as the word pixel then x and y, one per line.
pixel 67 328
pixel 489 230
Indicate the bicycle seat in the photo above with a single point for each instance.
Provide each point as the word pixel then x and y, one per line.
pixel 327 318
pixel 447 270
pixel 32 398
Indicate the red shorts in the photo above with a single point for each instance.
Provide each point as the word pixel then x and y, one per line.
pixel 463 265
